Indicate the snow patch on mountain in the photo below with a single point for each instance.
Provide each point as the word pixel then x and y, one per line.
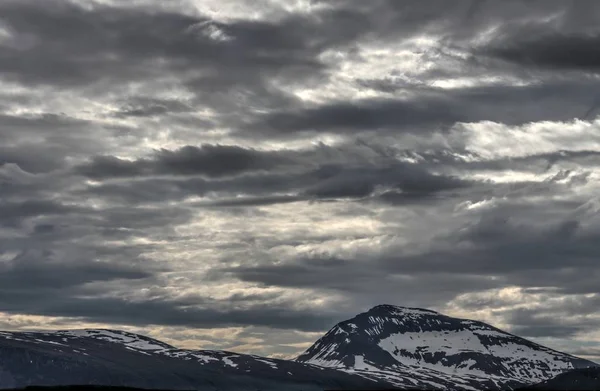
pixel 129 340
pixel 228 362
pixel 359 363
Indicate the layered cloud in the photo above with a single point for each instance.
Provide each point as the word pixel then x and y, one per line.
pixel 243 175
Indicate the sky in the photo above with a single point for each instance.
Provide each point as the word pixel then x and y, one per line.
pixel 242 175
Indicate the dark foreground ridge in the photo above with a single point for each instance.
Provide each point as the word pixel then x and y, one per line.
pixel 80 388
pixel 110 388
pixel 114 388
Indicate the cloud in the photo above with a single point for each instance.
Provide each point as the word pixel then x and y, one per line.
pixel 254 201
pixel 359 281
pixel 42 142
pixel 148 107
pixel 349 117
pixel 408 180
pixel 266 177
pixel 200 170
pixel 43 270
pixel 133 37
pixel 14 212
pixel 541 314
pixel 430 110
pixel 550 49
pixel 167 313
pixel 209 160
pixel 495 245
pixel 496 250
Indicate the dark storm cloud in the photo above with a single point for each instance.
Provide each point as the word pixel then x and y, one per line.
pixel 430 109
pixel 109 166
pixel 197 312
pixel 20 127
pixel 149 107
pixel 434 109
pixel 564 318
pixel 258 189
pixel 460 19
pixel 14 212
pixel 122 45
pixel 98 50
pixel 260 174
pixel 546 328
pixel 351 117
pixel 65 44
pixel 395 197
pixel 140 218
pixel 170 314
pixel 535 323
pixel 359 279
pixel 157 190
pixel 496 245
pixel 74 257
pixel 43 159
pixel 41 269
pixel 575 280
pixel 409 179
pixel 40 143
pixel 210 160
pixel 27 203
pixel 312 272
pixel 253 201
pixel 552 49
pixel 560 255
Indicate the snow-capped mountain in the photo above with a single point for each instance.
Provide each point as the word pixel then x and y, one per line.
pixel 390 339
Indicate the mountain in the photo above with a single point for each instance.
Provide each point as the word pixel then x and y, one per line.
pixel 390 339
pixel 383 348
pixel 118 358
pixel 576 379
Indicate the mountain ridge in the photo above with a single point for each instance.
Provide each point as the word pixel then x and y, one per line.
pixel 94 356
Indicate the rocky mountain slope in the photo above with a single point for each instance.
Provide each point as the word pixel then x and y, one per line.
pixel 396 339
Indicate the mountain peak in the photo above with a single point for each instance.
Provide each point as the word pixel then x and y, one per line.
pixel 399 310
pixel 391 338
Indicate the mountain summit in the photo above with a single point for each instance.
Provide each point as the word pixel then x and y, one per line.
pixel 391 338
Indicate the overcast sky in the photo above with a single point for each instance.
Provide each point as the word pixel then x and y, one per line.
pixel 242 175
